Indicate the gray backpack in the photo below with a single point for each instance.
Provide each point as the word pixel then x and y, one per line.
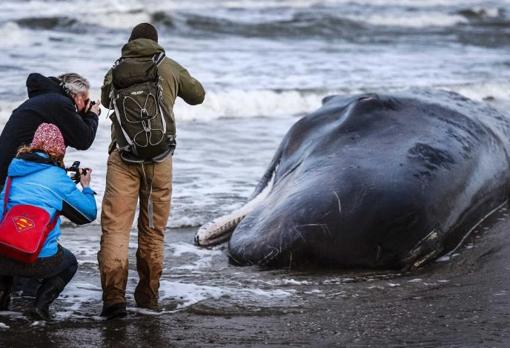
pixel 143 132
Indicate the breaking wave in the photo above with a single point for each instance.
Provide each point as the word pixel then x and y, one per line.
pixel 271 103
pixel 289 22
pixel 233 103
pixel 246 103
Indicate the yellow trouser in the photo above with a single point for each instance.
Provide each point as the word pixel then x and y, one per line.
pixel 125 183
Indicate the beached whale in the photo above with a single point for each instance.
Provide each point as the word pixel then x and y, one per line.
pixel 378 181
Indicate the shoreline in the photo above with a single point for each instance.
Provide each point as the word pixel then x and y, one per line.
pixel 464 302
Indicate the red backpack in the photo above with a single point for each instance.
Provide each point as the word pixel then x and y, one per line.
pixel 24 229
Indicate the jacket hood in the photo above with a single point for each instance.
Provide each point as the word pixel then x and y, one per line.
pixel 141 48
pixel 38 84
pixel 22 167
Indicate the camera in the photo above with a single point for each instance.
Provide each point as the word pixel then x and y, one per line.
pixel 89 106
pixel 76 171
pixel 91 103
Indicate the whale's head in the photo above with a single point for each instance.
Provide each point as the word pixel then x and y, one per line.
pixel 363 181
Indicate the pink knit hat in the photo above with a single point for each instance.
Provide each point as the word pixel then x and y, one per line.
pixel 48 138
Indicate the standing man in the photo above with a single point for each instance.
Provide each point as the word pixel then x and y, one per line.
pixel 141 88
pixel 63 101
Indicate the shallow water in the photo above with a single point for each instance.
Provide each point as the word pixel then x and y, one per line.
pixel 262 63
pixel 461 300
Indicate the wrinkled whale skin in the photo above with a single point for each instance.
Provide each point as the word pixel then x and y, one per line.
pixel 378 181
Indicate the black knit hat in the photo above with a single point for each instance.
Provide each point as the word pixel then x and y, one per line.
pixel 144 31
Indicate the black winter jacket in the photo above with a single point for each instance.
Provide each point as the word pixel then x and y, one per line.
pixel 47 102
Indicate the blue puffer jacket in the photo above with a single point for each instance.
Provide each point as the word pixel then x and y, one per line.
pixel 48 186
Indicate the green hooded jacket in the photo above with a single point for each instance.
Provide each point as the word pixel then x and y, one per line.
pixel 177 82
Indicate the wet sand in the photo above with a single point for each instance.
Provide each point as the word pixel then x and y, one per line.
pixel 463 301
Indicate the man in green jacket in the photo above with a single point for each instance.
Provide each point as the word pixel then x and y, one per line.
pixel 151 182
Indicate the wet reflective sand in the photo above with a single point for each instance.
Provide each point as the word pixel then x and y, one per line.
pixel 461 301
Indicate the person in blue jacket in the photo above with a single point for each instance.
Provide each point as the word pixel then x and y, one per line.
pixel 38 178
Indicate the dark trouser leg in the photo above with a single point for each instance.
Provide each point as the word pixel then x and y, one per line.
pixel 28 286
pixel 67 268
pixel 54 284
pixel 5 292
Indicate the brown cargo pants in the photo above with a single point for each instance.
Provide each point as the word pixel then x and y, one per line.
pixel 125 184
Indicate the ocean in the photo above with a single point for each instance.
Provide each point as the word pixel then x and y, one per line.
pixel 263 64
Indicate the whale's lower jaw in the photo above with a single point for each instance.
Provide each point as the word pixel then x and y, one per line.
pixel 220 229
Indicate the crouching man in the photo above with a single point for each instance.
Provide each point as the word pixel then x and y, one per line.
pixel 63 101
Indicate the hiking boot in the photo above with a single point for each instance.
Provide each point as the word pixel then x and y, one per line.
pixel 47 293
pixel 5 299
pixel 145 301
pixel 112 311
pixel 5 292
pixel 152 305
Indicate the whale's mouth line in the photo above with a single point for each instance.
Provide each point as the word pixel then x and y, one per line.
pixel 485 217
pixel 428 248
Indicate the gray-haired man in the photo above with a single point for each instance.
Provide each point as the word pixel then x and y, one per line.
pixel 63 101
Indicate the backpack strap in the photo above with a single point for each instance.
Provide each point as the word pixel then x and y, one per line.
pixel 158 58
pixel 113 102
pixel 6 194
pixel 53 221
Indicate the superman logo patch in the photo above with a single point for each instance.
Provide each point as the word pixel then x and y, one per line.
pixel 23 223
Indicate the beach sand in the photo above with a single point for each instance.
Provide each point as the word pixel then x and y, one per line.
pixel 463 301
